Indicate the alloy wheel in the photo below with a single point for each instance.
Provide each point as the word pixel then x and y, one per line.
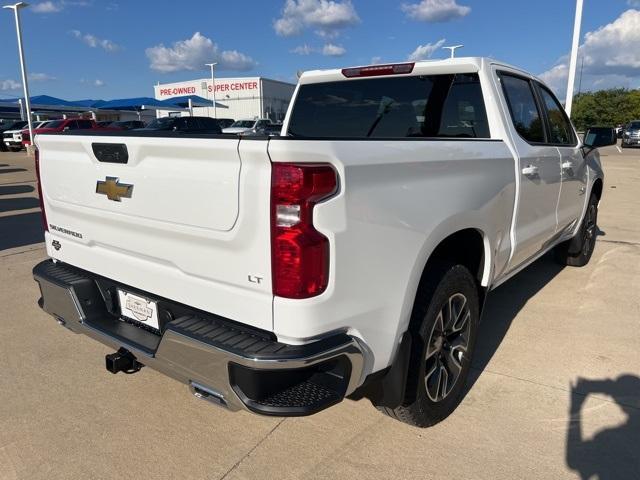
pixel 590 229
pixel 447 346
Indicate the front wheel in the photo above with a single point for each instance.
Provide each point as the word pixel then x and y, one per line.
pixel 445 320
pixel 577 251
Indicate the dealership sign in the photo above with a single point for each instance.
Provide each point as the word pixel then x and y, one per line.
pixel 237 86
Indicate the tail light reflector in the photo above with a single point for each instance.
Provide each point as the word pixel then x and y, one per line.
pixel 299 253
pixel 45 225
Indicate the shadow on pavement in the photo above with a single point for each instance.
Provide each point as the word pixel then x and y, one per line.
pixel 503 304
pixel 20 230
pixel 12 170
pixel 11 204
pixel 15 189
pixel 614 452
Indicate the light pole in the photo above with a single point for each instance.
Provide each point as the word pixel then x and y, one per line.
pixel 574 57
pixel 213 88
pixel 25 86
pixel 453 49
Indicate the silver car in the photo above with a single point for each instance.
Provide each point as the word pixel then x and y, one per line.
pixel 631 135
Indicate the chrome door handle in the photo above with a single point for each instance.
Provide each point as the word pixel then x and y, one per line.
pixel 530 170
pixel 567 166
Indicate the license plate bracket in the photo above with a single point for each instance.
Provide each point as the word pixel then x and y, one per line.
pixel 140 310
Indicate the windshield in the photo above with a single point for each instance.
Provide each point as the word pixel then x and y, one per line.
pixel 55 124
pixel 634 125
pixel 243 124
pixel 161 122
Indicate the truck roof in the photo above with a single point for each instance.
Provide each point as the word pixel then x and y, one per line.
pixel 426 67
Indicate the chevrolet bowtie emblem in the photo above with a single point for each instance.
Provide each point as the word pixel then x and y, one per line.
pixel 113 189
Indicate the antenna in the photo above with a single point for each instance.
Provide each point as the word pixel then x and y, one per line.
pixel 453 49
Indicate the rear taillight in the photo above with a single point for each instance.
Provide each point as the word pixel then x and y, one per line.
pixel 45 225
pixel 299 253
pixel 377 70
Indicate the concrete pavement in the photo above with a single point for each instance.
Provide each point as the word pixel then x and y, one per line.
pixel 555 391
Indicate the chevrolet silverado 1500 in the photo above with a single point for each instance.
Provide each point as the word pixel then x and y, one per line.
pixel 349 256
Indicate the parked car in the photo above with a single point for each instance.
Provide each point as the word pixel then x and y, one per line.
pixel 18 143
pixel 350 256
pixel 203 125
pixel 244 126
pixel 63 125
pixel 8 130
pixel 225 122
pixel 104 123
pixel 127 124
pixel 631 135
pixel 13 138
pixel 273 129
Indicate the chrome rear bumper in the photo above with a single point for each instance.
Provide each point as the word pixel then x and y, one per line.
pixel 221 361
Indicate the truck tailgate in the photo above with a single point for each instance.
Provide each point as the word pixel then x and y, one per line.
pixel 183 218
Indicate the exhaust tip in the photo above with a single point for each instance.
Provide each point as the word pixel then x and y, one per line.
pixel 122 361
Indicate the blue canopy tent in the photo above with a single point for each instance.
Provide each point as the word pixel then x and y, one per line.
pixel 138 103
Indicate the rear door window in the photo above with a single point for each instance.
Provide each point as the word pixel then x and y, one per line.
pixel 449 106
pixel 523 108
pixel 208 123
pixel 192 124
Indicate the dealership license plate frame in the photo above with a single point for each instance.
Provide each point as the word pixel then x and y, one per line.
pixel 140 310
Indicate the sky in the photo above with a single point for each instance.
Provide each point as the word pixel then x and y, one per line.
pixel 103 49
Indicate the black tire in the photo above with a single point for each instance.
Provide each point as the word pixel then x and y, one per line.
pixel 448 289
pixel 577 251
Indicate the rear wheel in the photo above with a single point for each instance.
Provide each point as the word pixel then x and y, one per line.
pixel 446 316
pixel 577 251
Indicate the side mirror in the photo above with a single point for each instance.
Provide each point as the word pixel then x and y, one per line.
pixel 596 137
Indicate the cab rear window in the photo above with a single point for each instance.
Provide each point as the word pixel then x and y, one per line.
pixel 430 106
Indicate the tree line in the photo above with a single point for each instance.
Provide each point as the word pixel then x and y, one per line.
pixel 605 108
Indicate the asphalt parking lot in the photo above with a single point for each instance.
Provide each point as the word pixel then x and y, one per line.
pixel 555 391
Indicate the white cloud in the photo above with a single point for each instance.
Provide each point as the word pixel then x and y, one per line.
pixel 435 10
pixel 556 77
pixel 607 61
pixel 95 42
pixel 40 77
pixel 331 50
pixel 94 83
pixel 327 17
pixel 9 85
pixel 424 52
pixel 55 7
pixel 193 53
pixel 47 7
pixel 303 50
pixel 376 60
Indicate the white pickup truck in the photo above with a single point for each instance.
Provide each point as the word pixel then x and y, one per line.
pixel 349 256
